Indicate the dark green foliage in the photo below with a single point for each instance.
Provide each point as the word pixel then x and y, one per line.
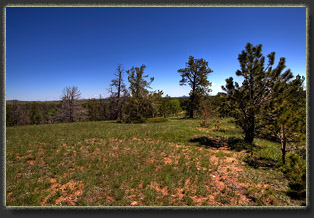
pixel 165 106
pixel 35 115
pixel 260 82
pixel 93 109
pixel 9 115
pixel 195 75
pixel 51 113
pixel 295 171
pixel 139 107
pixel 284 116
pixel 184 103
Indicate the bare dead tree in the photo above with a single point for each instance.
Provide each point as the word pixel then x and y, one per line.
pixel 121 92
pixel 71 109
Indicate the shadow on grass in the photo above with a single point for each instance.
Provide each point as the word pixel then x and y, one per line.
pixel 207 142
pixel 261 162
pixel 180 118
pixel 238 144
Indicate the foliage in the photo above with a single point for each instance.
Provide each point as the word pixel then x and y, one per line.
pixel 139 106
pixel 35 115
pixel 259 83
pixel 295 171
pixel 93 109
pixel 284 116
pixel 175 106
pixel 165 106
pixel 195 75
pixel 156 102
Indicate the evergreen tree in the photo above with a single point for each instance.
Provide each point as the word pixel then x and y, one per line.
pixel 51 114
pixel 259 86
pixel 165 106
pixel 195 75
pixel 285 116
pixel 138 102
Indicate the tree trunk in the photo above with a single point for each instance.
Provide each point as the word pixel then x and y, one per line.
pixel 192 106
pixel 249 137
pixel 283 140
pixel 249 133
pixel 119 100
pixel 191 113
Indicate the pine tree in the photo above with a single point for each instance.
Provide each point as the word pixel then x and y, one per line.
pixel 284 116
pixel 260 85
pixel 139 104
pixel 195 75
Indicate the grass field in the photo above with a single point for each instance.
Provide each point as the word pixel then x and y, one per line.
pixel 174 163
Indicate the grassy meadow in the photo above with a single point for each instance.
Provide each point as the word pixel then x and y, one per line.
pixel 173 163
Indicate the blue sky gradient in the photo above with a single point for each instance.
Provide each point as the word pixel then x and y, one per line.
pixel 48 49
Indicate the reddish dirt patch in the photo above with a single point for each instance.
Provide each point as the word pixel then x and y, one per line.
pixel 159 188
pixel 68 193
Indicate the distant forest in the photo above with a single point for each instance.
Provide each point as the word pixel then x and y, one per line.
pixel 101 109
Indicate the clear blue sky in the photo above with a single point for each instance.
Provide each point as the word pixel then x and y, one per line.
pixel 51 48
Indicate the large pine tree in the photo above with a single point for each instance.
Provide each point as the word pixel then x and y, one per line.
pixel 260 86
pixel 195 75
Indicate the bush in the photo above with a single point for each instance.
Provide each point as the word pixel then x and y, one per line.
pixel 157 120
pixel 295 172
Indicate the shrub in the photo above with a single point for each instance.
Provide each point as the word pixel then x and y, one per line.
pixel 295 172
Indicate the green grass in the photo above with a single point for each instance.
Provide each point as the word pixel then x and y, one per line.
pixel 114 164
